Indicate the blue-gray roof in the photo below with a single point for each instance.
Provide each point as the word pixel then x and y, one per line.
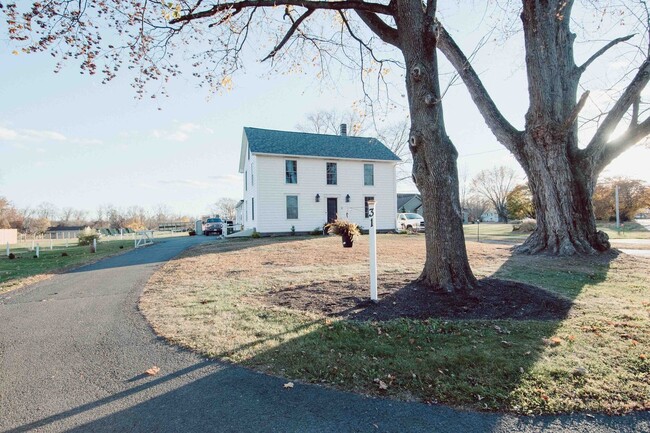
pixel 321 145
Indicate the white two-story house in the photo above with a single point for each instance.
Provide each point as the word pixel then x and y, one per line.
pixel 295 181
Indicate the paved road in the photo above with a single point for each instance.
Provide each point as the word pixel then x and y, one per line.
pixel 73 350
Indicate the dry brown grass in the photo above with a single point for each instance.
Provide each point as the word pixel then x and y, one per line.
pixel 213 300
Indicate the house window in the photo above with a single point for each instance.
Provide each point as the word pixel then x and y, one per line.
pixel 291 171
pixel 245 181
pixel 366 200
pixel 253 209
pixel 292 207
pixel 368 174
pixel 331 173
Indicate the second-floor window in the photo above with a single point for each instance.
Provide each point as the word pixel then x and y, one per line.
pixel 331 173
pixel 368 174
pixel 291 171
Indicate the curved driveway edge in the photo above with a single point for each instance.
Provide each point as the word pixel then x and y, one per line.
pixel 73 350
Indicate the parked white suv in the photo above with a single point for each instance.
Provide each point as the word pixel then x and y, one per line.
pixel 410 221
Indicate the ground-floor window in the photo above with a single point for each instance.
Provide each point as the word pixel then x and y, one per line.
pixel 292 207
pixel 366 200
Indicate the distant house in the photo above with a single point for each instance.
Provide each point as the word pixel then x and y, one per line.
pixel 300 181
pixel 64 232
pixel 490 216
pixel 410 203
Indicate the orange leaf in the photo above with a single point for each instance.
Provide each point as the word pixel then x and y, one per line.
pixel 153 371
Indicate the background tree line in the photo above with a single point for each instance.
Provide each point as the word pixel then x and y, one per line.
pixel 37 219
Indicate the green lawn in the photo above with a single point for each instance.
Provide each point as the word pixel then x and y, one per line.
pixel 503 232
pixel 14 272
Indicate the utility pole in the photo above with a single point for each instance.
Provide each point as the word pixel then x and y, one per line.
pixel 618 218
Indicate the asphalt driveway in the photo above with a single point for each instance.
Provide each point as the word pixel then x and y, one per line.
pixel 73 350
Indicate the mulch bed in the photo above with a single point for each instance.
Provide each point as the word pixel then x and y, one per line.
pixel 494 299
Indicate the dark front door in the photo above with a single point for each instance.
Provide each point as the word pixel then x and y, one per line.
pixel 332 209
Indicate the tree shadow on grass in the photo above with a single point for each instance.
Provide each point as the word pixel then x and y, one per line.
pixel 470 349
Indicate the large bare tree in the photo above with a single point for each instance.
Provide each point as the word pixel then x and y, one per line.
pixel 147 32
pixel 561 172
pixel 494 184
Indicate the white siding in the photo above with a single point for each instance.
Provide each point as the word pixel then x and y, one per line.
pixel 270 191
pixel 250 187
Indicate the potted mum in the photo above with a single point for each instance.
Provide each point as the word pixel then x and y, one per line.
pixel 344 228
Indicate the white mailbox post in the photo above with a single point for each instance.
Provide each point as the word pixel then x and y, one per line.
pixel 373 250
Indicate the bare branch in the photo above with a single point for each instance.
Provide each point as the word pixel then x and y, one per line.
pixel 599 141
pixel 635 111
pixel 568 123
pixel 602 51
pixel 619 145
pixel 432 6
pixel 385 32
pixel 308 4
pixel 502 129
pixel 290 32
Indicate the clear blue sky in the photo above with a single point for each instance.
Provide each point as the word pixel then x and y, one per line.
pixel 69 140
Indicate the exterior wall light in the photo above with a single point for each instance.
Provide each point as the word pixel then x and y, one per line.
pixel 347 198
pixel 317 198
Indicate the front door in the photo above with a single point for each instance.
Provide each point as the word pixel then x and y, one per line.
pixel 332 209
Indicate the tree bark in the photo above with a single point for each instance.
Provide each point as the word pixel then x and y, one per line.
pixel 561 188
pixel 434 155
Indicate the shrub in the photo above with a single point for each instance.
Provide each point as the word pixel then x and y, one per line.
pixel 293 230
pixel 528 225
pixel 64 254
pixel 317 231
pixel 12 256
pixel 87 235
pixel 256 235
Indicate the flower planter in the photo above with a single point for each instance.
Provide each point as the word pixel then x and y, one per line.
pixel 347 241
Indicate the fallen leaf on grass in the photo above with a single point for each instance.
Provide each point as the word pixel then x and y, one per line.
pixel 554 341
pixel 505 343
pixel 288 385
pixel 381 384
pixel 152 371
pixel 643 356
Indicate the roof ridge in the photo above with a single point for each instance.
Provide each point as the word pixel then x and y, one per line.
pixel 309 133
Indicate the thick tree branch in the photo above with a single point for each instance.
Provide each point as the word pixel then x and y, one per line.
pixel 635 111
pixel 500 127
pixel 432 6
pixel 568 123
pixel 602 51
pixel 599 142
pixel 385 32
pixel 308 4
pixel 290 32
pixel 619 145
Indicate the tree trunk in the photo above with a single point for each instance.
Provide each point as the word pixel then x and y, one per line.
pixel 561 179
pixel 562 190
pixel 434 156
